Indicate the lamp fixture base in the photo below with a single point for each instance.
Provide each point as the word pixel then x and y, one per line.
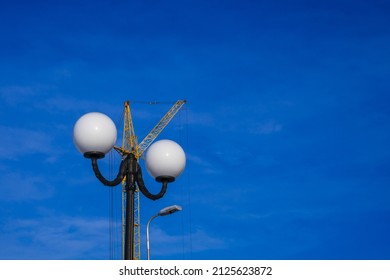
pixel 94 154
pixel 165 179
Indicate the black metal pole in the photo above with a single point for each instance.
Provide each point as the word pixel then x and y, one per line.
pixel 129 229
pixel 131 173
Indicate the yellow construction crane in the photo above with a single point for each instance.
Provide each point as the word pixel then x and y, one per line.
pixel 130 146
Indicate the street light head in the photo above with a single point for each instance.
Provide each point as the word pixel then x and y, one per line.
pixel 94 134
pixel 165 160
pixel 169 210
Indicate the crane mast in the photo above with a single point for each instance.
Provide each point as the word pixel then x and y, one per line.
pixel 130 145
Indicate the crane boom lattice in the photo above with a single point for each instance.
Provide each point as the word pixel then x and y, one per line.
pixel 148 140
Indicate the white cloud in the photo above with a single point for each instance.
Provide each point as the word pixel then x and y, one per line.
pixel 203 241
pixel 63 103
pixel 267 127
pixel 167 244
pixel 200 118
pixel 47 98
pixel 22 187
pixel 17 142
pixel 15 94
pixel 55 237
pixel 204 164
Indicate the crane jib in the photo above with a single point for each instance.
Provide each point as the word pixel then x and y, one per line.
pixel 148 140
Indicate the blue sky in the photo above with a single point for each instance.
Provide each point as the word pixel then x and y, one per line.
pixel 286 129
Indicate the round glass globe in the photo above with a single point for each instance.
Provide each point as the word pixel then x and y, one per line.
pixel 94 133
pixel 165 158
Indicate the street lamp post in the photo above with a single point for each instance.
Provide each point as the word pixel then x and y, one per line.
pixel 163 212
pixel 94 135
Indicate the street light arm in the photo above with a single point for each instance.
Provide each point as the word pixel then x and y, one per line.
pixel 117 180
pixel 145 191
pixel 163 212
pixel 147 235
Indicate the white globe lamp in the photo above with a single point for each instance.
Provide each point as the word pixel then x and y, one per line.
pixel 165 160
pixel 94 135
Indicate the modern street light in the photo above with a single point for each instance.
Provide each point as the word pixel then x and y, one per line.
pixel 95 134
pixel 163 212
